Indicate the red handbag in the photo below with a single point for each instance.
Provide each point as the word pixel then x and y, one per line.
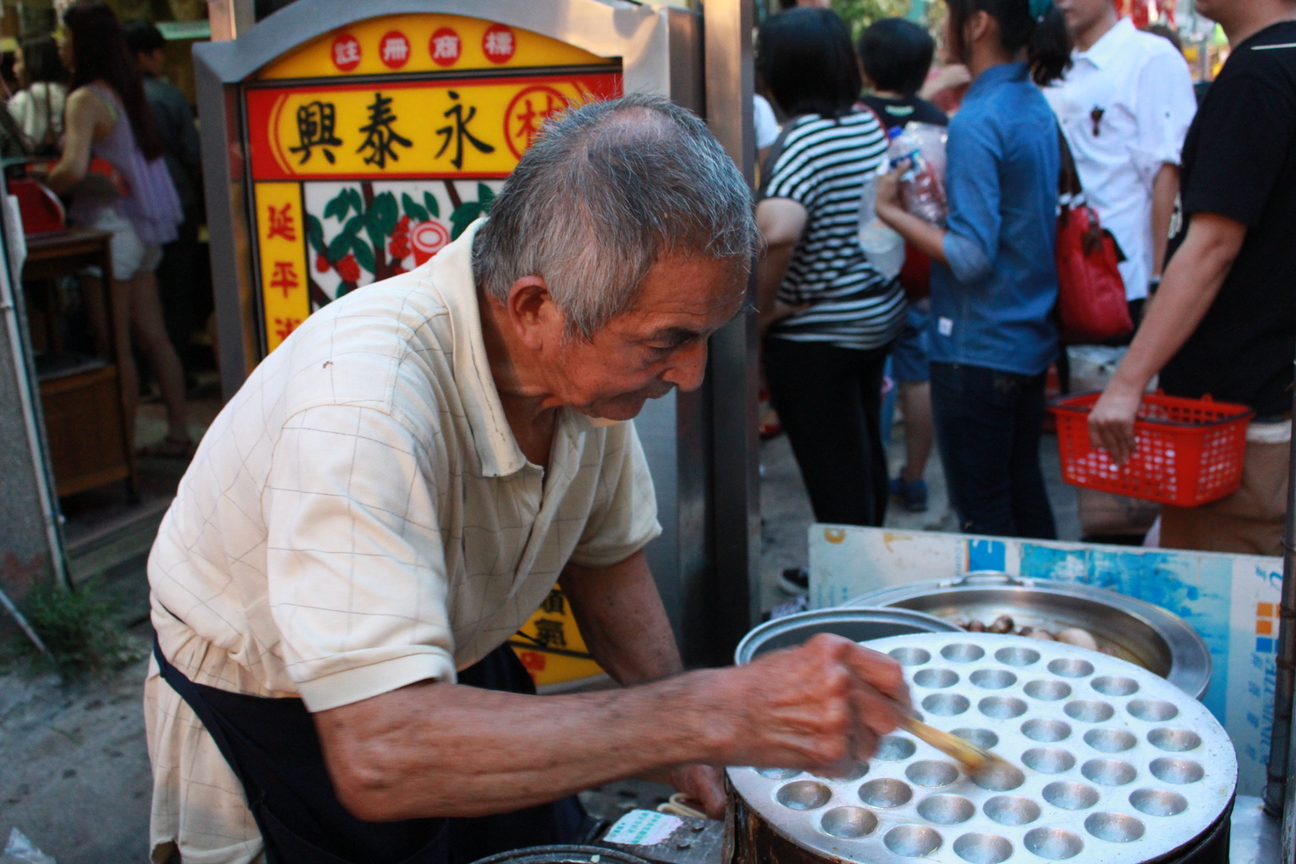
pixel 1091 305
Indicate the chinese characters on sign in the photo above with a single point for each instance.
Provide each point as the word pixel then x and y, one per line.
pixel 445 47
pixel 394 50
pixel 280 222
pixel 379 136
pixel 458 131
pixel 346 52
pixel 409 129
pixel 498 43
pixel 282 255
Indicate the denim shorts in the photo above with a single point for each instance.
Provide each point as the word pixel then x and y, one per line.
pixel 910 356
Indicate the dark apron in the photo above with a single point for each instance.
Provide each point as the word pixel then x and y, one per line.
pixel 274 750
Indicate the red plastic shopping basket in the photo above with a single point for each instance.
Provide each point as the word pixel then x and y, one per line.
pixel 1187 451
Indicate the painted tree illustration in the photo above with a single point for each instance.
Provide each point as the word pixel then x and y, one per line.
pixel 374 231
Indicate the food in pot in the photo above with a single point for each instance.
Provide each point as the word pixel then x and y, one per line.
pixel 1078 637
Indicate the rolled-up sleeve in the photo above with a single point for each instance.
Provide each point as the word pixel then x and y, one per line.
pixel 973 186
pixel 1166 106
pixel 624 517
pixel 356 567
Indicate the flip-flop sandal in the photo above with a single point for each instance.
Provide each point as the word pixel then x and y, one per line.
pixel 168 449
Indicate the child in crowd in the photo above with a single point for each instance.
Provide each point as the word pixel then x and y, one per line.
pixel 896 55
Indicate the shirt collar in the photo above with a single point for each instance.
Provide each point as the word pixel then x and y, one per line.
pixel 1110 46
pixel 452 275
pixel 497 449
pixel 996 75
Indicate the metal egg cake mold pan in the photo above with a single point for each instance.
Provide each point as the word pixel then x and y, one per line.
pixel 1109 764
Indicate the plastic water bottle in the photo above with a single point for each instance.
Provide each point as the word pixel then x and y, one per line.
pixel 883 246
pixel 921 191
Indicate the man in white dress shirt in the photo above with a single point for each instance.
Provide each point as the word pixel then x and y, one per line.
pixel 1125 107
pixel 397 487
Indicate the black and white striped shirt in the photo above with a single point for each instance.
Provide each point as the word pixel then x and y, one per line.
pixel 823 166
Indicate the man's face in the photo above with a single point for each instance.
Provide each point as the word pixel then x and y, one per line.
pixel 1080 15
pixel 659 344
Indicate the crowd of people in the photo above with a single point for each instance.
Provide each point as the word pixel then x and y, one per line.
pixel 1200 202
pixel 122 147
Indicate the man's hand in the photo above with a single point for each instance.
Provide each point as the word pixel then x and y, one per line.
pixel 1111 422
pixel 820 707
pixel 704 785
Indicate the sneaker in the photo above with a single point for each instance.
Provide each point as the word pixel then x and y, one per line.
pixel 795 581
pixel 912 496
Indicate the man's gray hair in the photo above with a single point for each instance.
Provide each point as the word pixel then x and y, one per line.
pixel 603 193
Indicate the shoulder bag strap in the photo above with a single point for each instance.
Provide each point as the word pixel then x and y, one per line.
pixel 1070 192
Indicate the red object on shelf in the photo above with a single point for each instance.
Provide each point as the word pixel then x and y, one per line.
pixel 1188 452
pixel 40 208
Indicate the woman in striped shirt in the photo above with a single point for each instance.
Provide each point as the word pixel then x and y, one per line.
pixel 828 317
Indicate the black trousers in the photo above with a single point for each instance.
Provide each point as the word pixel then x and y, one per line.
pixel 829 400
pixel 274 750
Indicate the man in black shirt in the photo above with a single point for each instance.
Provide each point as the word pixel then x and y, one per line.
pixel 1224 321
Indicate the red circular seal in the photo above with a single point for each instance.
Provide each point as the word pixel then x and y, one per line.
pixel 527 112
pixel 394 50
pixel 499 43
pixel 427 239
pixel 346 52
pixel 445 47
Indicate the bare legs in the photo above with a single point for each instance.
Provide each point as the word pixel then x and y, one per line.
pixel 137 319
pixel 919 430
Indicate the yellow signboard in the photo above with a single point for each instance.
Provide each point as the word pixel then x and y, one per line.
pixel 408 129
pixel 424 43
pixel 551 647
pixel 281 242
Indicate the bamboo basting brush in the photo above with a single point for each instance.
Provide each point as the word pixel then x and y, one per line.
pixel 975 759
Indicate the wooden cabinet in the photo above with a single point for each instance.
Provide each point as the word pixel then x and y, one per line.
pixel 81 395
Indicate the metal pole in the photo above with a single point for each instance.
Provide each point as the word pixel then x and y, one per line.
pixel 735 445
pixel 1281 733
pixel 230 18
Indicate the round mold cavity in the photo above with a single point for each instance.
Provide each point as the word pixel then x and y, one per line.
pixel 778 773
pixel 1002 707
pixel 912 841
pixel 848 823
pixel 1158 802
pixel 1114 685
pixel 931 773
pixel 1089 711
pixel 1048 760
pixel 962 652
pixel 894 748
pixel 1053 844
pixel 999 777
pixel 946 704
pixel 1048 691
pixel 1012 810
pixel 992 679
pixel 1152 710
pixel 946 809
pixel 1114 827
pixel 981 737
pixel 1071 667
pixel 1070 796
pixel 885 793
pixel 1017 656
pixel 1174 740
pixel 857 770
pixel 1046 731
pixel 936 679
pixel 804 795
pixel 983 848
pixel 1171 769
pixel 909 656
pixel 1110 740
pixel 1109 772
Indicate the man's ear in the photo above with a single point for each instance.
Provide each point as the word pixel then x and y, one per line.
pixel 533 313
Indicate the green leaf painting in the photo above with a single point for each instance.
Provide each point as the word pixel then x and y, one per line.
pixel 363 254
pixel 415 211
pixel 315 233
pixel 433 206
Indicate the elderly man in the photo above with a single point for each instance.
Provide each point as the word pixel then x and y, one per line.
pixel 396 489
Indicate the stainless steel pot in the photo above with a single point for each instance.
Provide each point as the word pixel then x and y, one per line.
pixel 856 624
pixel 1134 630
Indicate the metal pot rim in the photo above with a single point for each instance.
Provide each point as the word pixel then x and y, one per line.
pixel 889 615
pixel 1190 668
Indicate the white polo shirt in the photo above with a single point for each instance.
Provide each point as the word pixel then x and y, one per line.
pixel 1143 89
pixel 360 517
